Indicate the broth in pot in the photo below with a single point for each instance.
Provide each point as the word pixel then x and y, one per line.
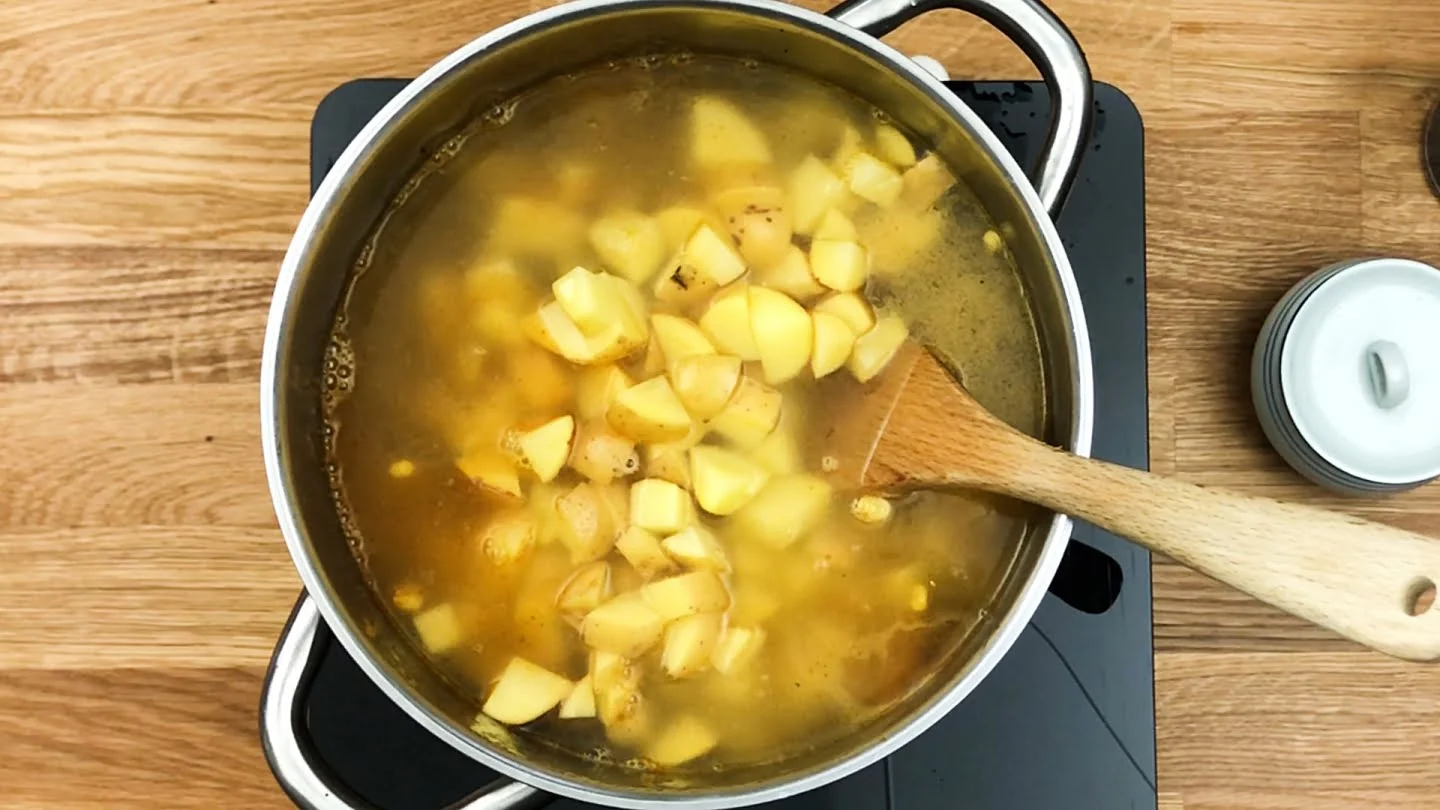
pixel 577 400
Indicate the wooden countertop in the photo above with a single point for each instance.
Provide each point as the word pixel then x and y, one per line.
pixel 152 165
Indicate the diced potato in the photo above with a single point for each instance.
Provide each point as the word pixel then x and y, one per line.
pixel 892 145
pixel 745 199
pixel 779 453
pixel 755 602
pixel 785 510
pixel 782 331
pixel 509 537
pixel 547 447
pixel 750 416
pixel 697 547
pixel 705 382
pixel 596 388
pixel 685 739
pixel 529 226
pixel 875 349
pixel 617 687
pixel 833 341
pixel 792 276
pixel 851 144
pixel 653 363
pixel 851 308
pixel 689 642
pixel 492 472
pixel 724 480
pixel 896 238
pixel 541 506
pixel 586 589
pixel 642 549
pixel 685 595
pixel 590 299
pixel 630 244
pixel 873 179
pixel 679 221
pixel 721 135
pixel 814 189
pixel 871 509
pixel 670 461
pixel 408 597
pixel 402 468
pixel 757 219
pixel 580 702
pixel 727 323
pixel 541 378
pixel 925 182
pixel 649 412
pixel 602 455
pixel 736 648
pixel 679 338
pixel 586 528
pixel 524 692
pixel 627 626
pixel 439 628
pixel 576 183
pixel 713 255
pixel 660 506
pixel 835 225
pixel 839 265
pixel 552 329
pixel 616 499
pixel 919 598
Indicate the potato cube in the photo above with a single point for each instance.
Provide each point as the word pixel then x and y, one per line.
pixel 660 506
pixel 782 331
pixel 748 198
pixel 785 510
pixel 896 238
pixel 643 551
pixel 814 189
pixel 626 626
pixel 547 447
pixel 875 349
pixel 509 537
pixel 616 682
pixel 616 499
pixel 779 453
pixel 851 308
pixel 552 329
pixel 439 628
pixel 408 597
pixel 586 589
pixel 925 183
pixel 679 221
pixel 724 480
pixel 685 739
pixel 721 135
pixel 873 179
pixel 602 455
pixel 705 382
pixel 580 702
pixel 492 472
pixel 685 595
pixel 596 388
pixel 529 226
pixel 833 341
pixel 679 338
pixel 669 461
pixel 649 412
pixel 524 692
pixel 697 547
pixel 835 225
pixel 851 144
pixel 727 323
pixel 542 379
pixel 792 276
pixel 839 265
pixel 713 255
pixel 590 299
pixel 630 244
pixel 586 528
pixel 737 647
pixel 682 284
pixel 871 509
pixel 751 414
pixel 689 642
pixel 763 237
pixel 892 145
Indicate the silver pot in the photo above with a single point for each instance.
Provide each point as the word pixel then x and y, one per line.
pixel 840 48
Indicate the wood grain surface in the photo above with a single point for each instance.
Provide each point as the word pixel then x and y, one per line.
pixel 153 161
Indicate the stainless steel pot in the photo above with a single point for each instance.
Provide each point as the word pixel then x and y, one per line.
pixel 840 48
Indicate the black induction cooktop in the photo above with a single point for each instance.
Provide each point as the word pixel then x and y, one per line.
pixel 1066 721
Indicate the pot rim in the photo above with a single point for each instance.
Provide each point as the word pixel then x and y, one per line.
pixel 328 195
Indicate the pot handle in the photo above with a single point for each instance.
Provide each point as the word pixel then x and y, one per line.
pixel 1045 40
pixel 292 756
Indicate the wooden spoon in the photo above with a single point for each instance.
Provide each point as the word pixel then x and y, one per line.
pixel 919 428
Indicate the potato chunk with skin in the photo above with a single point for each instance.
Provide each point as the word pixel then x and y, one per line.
pixel 833 341
pixel 839 265
pixel 892 145
pixel 660 506
pixel 721 135
pixel 642 549
pixel 592 300
pixel 851 308
pixel 792 276
pixel 782 332
pixel 751 414
pixel 724 480
pixel 649 412
pixel 586 527
pixel 737 647
pixel 580 702
pixel 875 349
pixel 873 179
pixel 669 461
pixel 679 221
pixel 492 472
pixel 524 692
pixel 713 255
pixel 779 453
pixel 602 455
pixel 696 547
pixel 596 389
pixel 586 589
pixel 682 284
pixel 926 182
pixel 627 626
pixel 629 243
pixel 785 510
pixel 689 643
pixel 704 383
pixel 727 323
pixel 547 447
pixel 814 189
pixel 439 628
pixel 685 739
pixel 835 225
pixel 679 338
pixel 687 594
pixel 552 329
pixel 509 537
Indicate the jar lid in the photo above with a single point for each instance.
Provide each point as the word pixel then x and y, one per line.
pixel 1360 370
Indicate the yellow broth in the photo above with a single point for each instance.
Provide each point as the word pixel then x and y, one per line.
pixel 431 365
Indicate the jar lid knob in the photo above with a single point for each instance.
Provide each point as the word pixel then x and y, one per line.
pixel 1388 373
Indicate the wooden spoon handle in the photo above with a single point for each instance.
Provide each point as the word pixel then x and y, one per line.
pixel 1356 577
